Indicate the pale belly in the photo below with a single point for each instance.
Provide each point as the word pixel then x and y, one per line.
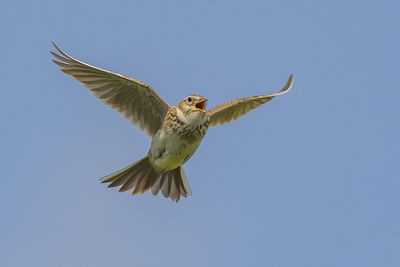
pixel 169 151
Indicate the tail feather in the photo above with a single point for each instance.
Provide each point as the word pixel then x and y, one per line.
pixel 141 176
pixel 122 179
pixel 139 185
pixel 165 185
pixel 185 183
pixel 182 182
pixel 157 185
pixel 174 190
pixel 150 181
pixel 111 177
pixel 132 177
pixel 119 181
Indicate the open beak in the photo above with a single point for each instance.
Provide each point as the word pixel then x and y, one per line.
pixel 201 105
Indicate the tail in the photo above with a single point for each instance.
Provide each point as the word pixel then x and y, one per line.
pixel 141 176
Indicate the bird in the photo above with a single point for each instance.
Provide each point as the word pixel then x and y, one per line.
pixel 176 130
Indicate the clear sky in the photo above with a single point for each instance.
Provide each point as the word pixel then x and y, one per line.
pixel 310 179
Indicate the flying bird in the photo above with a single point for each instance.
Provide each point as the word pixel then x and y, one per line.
pixel 176 131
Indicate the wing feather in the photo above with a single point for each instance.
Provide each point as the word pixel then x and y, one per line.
pixel 234 109
pixel 136 100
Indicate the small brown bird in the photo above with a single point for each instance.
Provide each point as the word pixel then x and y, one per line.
pixel 176 131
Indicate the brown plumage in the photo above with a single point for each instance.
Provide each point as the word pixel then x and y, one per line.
pixel 176 131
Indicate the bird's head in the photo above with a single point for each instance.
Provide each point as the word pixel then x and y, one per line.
pixel 196 103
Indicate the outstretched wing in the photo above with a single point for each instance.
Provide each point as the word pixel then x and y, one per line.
pixel 136 100
pixel 234 109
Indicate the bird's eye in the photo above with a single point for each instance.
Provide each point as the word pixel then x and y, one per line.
pixel 190 99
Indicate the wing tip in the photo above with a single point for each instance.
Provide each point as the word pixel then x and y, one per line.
pixel 60 51
pixel 55 46
pixel 288 85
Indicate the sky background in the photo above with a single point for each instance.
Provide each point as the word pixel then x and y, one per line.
pixel 310 179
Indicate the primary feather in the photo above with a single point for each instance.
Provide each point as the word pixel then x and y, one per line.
pixel 136 100
pixel 234 109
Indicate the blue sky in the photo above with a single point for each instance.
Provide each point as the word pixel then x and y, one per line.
pixel 309 179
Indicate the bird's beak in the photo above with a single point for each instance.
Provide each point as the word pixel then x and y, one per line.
pixel 201 105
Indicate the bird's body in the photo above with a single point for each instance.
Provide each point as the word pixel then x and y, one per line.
pixel 176 131
pixel 178 138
